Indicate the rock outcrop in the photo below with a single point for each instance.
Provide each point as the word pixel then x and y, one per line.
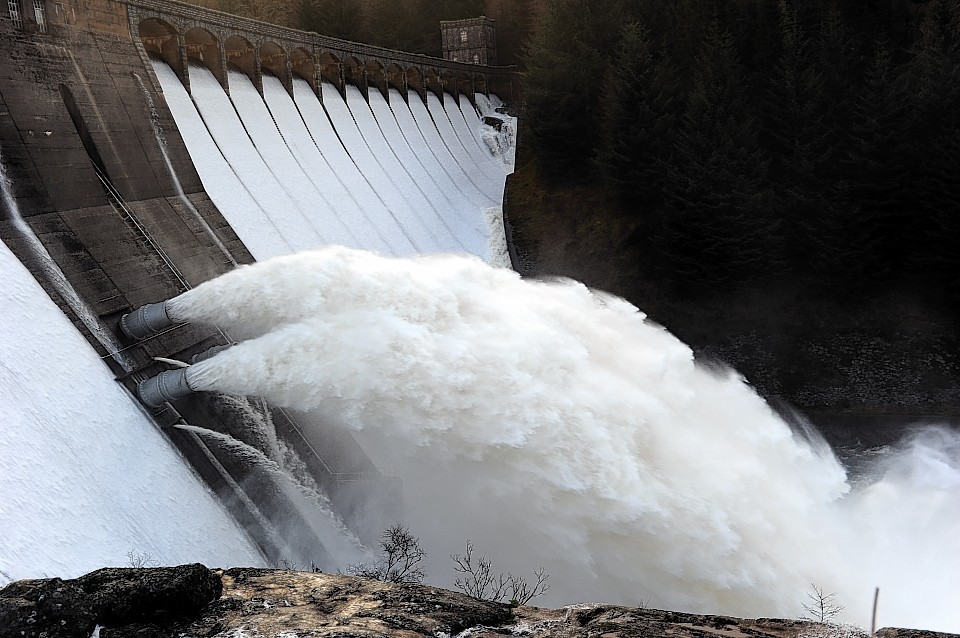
pixel 192 601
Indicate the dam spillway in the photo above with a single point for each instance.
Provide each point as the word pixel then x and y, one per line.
pixel 143 179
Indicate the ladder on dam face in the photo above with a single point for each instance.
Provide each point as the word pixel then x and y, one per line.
pixel 116 202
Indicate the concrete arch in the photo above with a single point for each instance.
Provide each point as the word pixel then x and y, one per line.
pixel 303 65
pixel 416 81
pixel 433 82
pixel 377 77
pixel 331 70
pixel 202 47
pixel 241 55
pixel 273 58
pixel 396 79
pixel 355 73
pixel 450 85
pixel 466 86
pixel 162 40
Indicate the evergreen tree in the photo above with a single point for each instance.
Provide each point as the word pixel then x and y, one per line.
pixel 340 19
pixel 636 122
pixel 716 227
pixel 566 61
pixel 878 168
pixel 807 201
pixel 391 25
pixel 935 137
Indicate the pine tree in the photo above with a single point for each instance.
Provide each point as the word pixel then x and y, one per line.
pixel 636 122
pixel 935 137
pixel 566 61
pixel 717 228
pixel 879 170
pixel 340 19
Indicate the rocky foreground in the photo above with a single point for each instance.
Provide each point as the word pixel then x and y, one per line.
pixel 191 601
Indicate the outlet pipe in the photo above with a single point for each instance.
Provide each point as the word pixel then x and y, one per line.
pixel 146 321
pixel 210 352
pixel 166 386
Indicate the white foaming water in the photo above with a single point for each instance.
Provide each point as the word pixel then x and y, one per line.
pixel 552 425
pixel 310 501
pixel 503 143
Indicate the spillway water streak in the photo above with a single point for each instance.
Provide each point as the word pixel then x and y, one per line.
pixel 339 543
pixel 462 217
pixel 502 142
pixel 86 475
pixel 245 214
pixel 231 137
pixel 386 234
pixel 491 187
pixel 439 150
pixel 404 163
pixel 347 131
pixel 472 117
pixel 317 169
pixel 481 155
pixel 312 214
pixel 391 178
pixel 177 186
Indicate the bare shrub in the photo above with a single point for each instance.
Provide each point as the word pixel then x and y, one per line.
pixel 479 581
pixel 399 561
pixel 140 559
pixel 821 606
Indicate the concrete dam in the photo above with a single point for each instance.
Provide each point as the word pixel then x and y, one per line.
pixel 147 147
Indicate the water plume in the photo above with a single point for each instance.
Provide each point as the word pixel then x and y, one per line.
pixel 312 504
pixel 556 426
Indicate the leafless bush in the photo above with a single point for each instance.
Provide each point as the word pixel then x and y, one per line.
pixel 821 606
pixel 479 581
pixel 399 561
pixel 140 559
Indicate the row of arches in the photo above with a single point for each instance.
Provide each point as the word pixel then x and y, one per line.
pixel 314 65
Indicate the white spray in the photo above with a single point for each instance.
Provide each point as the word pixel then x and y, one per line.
pixel 554 425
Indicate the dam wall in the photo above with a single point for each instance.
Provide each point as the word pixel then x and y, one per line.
pixel 100 175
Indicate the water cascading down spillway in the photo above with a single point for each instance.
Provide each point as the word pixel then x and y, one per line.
pixel 170 385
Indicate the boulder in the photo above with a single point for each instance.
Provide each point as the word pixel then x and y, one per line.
pixel 47 608
pixel 127 602
pixel 157 595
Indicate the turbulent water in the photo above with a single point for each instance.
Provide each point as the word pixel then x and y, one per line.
pixel 554 426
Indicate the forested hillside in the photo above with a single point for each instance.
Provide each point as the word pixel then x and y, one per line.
pixel 778 182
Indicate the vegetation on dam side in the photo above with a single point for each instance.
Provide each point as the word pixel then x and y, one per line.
pixel 774 182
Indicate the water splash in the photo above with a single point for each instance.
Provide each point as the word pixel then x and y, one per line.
pixel 554 425
pixel 337 538
pixel 51 271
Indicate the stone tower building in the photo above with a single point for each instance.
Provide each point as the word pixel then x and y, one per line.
pixel 473 40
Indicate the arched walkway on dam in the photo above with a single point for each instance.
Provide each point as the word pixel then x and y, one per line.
pixel 181 35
